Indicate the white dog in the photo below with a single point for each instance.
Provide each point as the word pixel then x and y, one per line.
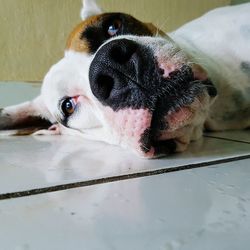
pixel 126 83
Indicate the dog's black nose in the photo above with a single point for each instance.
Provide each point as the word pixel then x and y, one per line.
pixel 113 70
pixel 121 51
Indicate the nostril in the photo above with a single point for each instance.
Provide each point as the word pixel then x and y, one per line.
pixel 104 86
pixel 161 71
pixel 113 65
pixel 122 53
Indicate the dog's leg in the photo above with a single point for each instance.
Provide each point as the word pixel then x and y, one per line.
pixel 25 118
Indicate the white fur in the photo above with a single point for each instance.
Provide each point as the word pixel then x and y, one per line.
pixel 69 77
pixel 90 8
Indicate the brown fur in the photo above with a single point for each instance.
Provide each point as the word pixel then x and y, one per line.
pixel 74 41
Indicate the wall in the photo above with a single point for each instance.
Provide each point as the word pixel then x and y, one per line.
pixel 33 32
pixel 239 1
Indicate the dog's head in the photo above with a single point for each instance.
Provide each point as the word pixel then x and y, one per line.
pixel 124 82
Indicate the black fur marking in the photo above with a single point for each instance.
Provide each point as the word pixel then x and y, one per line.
pixel 6 123
pixel 212 91
pixel 145 141
pixel 161 147
pixel 245 68
pixel 165 147
pixel 5 120
pixel 97 34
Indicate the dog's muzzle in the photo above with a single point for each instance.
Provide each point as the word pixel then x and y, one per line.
pixel 141 105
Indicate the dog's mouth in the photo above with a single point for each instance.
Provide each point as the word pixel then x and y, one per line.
pixel 147 105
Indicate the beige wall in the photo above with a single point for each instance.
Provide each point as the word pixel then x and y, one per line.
pixel 33 32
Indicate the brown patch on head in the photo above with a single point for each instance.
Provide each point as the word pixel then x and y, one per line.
pixel 90 34
pixel 75 41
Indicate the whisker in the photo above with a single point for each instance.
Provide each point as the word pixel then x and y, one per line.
pixel 160 26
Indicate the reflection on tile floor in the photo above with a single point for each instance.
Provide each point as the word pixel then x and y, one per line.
pixel 197 209
pixel 46 161
pixel 207 208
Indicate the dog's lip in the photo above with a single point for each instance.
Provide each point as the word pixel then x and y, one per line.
pixel 173 123
pixel 163 125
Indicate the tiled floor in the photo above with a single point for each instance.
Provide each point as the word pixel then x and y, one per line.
pixel 65 193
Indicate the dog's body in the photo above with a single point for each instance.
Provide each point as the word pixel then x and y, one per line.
pixel 220 42
pixel 121 83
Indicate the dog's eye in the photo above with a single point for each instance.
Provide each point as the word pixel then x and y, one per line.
pixel 114 28
pixel 68 106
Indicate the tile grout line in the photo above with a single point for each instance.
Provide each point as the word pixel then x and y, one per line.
pixel 68 186
pixel 225 139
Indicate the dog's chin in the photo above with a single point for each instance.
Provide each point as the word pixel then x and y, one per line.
pixel 153 134
pixel 172 132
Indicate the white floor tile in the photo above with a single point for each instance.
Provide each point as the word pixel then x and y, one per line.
pixel 240 135
pixel 29 162
pixel 199 209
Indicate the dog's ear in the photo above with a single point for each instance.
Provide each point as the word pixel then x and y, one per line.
pixel 90 8
pixel 25 118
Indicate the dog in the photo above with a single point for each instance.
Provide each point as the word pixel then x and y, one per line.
pixel 127 83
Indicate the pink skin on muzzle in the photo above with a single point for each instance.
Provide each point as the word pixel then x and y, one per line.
pixel 128 126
